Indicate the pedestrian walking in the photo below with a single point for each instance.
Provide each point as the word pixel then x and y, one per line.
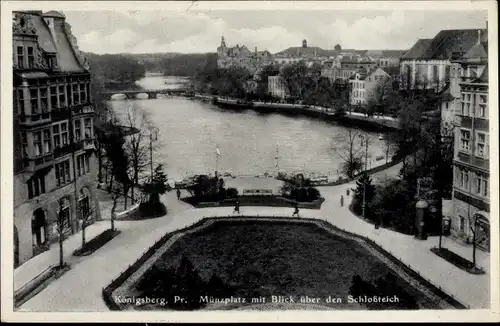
pixel 178 194
pixel 296 211
pixel 347 192
pixel 237 207
pixel 341 200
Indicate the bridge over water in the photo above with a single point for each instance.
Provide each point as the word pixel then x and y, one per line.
pixel 151 93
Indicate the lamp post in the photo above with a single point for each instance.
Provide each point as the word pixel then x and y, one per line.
pixel 364 141
pixel 153 135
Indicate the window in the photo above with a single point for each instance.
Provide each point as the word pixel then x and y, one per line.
pixel 56 136
pixel 43 99
pixel 88 128
pixel 447 73
pixel 36 186
pixel 80 165
pixel 87 163
pixel 463 179
pixel 47 143
pixel 35 109
pixel 20 57
pixel 462 223
pixel 37 142
pixel 38 227
pixel 65 213
pixel 78 129
pixel 64 133
pixel 482 105
pixel 62 173
pixel 464 140
pixel 53 97
pixel 76 94
pixel 62 97
pixel 31 57
pixel 446 105
pixel 481 150
pixel 24 142
pixel 83 95
pixel 481 185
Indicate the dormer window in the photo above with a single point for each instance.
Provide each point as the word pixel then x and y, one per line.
pixel 20 57
pixel 31 57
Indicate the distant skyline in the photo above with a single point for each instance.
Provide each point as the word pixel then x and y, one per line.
pixel 200 31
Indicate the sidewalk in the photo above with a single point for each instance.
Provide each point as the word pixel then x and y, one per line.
pixel 80 288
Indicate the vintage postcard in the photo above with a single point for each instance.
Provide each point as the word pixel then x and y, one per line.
pixel 249 161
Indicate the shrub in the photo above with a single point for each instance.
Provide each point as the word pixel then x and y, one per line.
pixel 231 193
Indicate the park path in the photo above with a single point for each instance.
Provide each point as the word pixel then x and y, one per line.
pixel 80 288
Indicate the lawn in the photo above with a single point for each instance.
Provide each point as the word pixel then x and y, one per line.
pixel 272 259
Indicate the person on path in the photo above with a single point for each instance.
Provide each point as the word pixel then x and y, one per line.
pixel 296 211
pixel 347 192
pixel 341 200
pixel 178 194
pixel 237 207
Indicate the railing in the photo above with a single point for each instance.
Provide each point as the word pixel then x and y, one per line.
pixel 107 292
pixel 83 109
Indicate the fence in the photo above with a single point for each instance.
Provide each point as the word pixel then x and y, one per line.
pixel 107 292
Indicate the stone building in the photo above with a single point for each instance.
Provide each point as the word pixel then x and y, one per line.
pixel 428 63
pixel 54 161
pixel 366 85
pixel 471 202
pixel 277 87
pixel 241 56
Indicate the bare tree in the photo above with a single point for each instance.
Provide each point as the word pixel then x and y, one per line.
pixel 137 145
pixel 62 226
pixel 85 212
pixel 115 195
pixel 347 146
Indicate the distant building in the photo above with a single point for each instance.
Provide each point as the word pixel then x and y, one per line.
pixel 241 56
pixel 471 202
pixel 54 161
pixel 428 63
pixel 366 85
pixel 385 58
pixel 277 87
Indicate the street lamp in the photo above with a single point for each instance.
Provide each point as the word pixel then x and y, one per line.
pixel 153 135
pixel 364 141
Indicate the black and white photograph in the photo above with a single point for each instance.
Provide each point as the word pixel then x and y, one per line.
pixel 297 161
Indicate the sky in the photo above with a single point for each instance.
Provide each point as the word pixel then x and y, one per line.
pixel 196 31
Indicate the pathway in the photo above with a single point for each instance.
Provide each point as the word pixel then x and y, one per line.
pixel 80 288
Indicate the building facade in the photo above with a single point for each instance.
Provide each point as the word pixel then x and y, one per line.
pixel 277 87
pixel 241 56
pixel 54 160
pixel 471 203
pixel 427 65
pixel 369 85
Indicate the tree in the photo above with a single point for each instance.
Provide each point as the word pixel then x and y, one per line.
pixel 348 148
pixel 157 186
pixel 137 143
pixel 119 160
pixel 295 79
pixel 84 212
pixel 262 85
pixel 61 227
pixel 388 145
pixel 361 183
pixel 377 98
pixel 115 195
pixel 337 47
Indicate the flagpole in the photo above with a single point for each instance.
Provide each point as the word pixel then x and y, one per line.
pixel 277 161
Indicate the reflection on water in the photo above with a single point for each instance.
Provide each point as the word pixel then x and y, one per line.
pixel 190 131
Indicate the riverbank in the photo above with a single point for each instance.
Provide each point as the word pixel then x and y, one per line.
pixel 376 123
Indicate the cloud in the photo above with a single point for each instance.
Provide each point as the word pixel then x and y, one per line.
pixel 197 31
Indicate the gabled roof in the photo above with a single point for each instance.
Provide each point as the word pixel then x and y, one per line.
pixel 476 52
pixel 54 14
pixel 385 53
pixel 56 40
pixel 301 51
pixel 418 50
pixel 446 43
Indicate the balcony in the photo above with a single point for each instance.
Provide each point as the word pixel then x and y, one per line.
pixel 67 149
pixel 82 109
pixel 35 119
pixel 88 144
pixel 38 162
pixel 60 114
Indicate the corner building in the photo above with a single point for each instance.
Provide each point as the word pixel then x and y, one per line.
pixel 54 159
